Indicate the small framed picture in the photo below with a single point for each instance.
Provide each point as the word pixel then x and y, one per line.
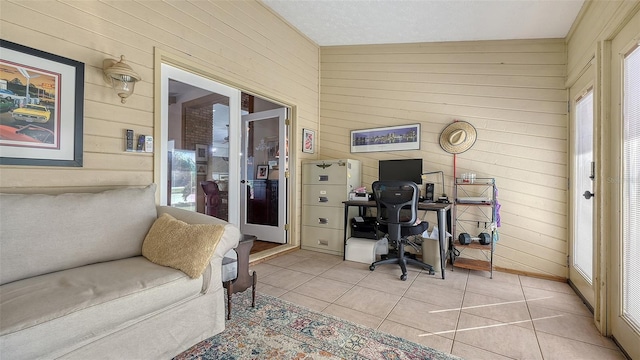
pixel 392 138
pixel 201 153
pixel 202 169
pixel 262 172
pixel 308 141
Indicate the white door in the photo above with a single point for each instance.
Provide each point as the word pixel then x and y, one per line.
pixel 581 248
pixel 264 166
pixel 190 83
pixel 625 188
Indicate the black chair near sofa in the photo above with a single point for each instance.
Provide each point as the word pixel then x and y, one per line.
pixel 397 215
pixel 211 197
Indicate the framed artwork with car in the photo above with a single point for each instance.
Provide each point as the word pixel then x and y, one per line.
pixel 45 93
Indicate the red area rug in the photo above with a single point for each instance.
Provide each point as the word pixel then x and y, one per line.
pixel 276 329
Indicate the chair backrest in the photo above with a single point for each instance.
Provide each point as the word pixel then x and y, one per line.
pixel 394 199
pixel 211 197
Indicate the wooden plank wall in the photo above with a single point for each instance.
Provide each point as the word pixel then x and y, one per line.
pixel 240 41
pixel 513 92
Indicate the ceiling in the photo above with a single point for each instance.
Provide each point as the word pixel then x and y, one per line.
pixel 358 22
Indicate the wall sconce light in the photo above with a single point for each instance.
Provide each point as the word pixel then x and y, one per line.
pixel 120 77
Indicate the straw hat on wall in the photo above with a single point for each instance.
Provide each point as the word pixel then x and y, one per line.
pixel 458 137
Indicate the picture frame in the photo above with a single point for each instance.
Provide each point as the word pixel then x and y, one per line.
pixel 46 95
pixel 262 172
pixel 201 153
pixel 308 141
pixel 391 138
pixel 201 169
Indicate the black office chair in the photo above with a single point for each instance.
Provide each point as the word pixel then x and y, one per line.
pixel 397 214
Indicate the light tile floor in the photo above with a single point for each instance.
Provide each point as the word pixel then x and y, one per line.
pixel 467 314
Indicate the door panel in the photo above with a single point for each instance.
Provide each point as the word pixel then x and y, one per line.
pixel 581 249
pixel 264 166
pixel 223 103
pixel 625 166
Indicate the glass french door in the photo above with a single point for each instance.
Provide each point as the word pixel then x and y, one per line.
pixel 581 249
pixel 264 184
pixel 191 155
pixel 625 185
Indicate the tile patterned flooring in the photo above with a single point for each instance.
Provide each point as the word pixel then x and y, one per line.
pixel 467 314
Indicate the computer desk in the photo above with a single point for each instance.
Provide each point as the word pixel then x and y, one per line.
pixel 440 208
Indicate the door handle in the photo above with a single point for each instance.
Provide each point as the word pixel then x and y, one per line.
pixel 242 181
pixel 588 194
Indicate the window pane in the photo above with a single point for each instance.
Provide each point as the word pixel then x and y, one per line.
pixel 631 192
pixel 583 239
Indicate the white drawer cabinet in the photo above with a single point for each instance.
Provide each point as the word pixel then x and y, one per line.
pixel 325 185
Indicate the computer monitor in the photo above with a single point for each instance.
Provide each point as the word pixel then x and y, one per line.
pixel 401 169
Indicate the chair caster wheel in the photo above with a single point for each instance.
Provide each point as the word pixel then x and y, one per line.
pixel 403 277
pixel 432 272
pixel 372 267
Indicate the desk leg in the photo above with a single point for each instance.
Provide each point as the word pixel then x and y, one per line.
pixel 442 236
pixel 344 235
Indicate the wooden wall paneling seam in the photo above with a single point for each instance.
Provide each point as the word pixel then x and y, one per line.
pixel 478 69
pixel 510 81
pixel 493 46
pixel 528 93
pixel 435 112
pixel 378 100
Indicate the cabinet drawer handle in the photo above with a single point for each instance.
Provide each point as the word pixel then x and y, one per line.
pixel 323 199
pixel 323 177
pixel 323 242
pixel 323 221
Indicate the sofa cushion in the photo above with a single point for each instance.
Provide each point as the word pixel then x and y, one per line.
pixel 186 247
pixel 46 233
pixel 68 308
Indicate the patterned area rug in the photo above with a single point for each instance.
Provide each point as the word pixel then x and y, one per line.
pixel 276 329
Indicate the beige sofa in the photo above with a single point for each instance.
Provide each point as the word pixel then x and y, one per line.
pixel 73 283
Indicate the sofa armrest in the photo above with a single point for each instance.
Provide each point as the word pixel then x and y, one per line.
pixel 229 240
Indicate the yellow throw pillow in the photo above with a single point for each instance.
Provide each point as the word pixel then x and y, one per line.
pixel 186 247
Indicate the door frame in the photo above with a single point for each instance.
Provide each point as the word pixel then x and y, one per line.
pixel 165 57
pixel 613 51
